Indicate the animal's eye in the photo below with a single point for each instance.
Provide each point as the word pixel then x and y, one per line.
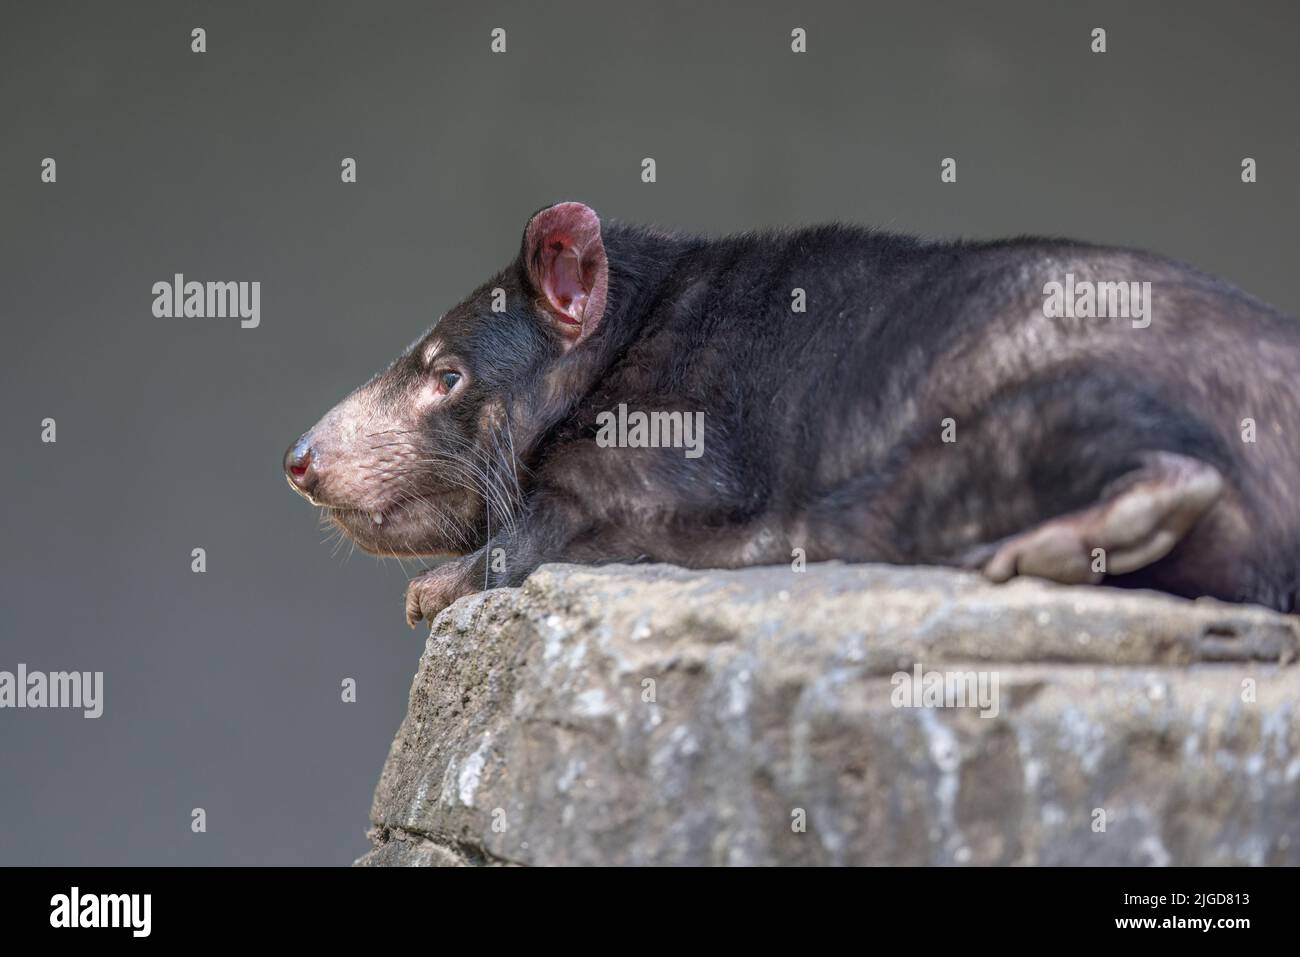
pixel 447 381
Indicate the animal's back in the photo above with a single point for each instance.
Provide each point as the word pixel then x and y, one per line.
pixel 842 405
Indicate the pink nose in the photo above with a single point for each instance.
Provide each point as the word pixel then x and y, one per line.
pixel 298 466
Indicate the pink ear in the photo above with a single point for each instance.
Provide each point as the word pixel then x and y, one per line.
pixel 567 265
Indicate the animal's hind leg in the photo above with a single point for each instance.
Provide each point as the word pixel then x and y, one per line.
pixel 1139 519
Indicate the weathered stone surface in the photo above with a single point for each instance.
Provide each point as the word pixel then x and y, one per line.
pixel 529 738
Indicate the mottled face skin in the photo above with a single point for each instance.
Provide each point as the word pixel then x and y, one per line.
pixel 420 459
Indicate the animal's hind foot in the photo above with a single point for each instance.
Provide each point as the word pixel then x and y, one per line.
pixel 1139 520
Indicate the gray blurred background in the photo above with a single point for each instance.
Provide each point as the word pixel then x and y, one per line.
pixel 222 690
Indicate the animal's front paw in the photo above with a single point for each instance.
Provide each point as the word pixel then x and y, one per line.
pixel 430 593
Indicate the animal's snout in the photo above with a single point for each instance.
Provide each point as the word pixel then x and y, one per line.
pixel 340 462
pixel 299 467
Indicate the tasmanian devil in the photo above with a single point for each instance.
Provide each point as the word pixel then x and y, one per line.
pixel 1027 407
